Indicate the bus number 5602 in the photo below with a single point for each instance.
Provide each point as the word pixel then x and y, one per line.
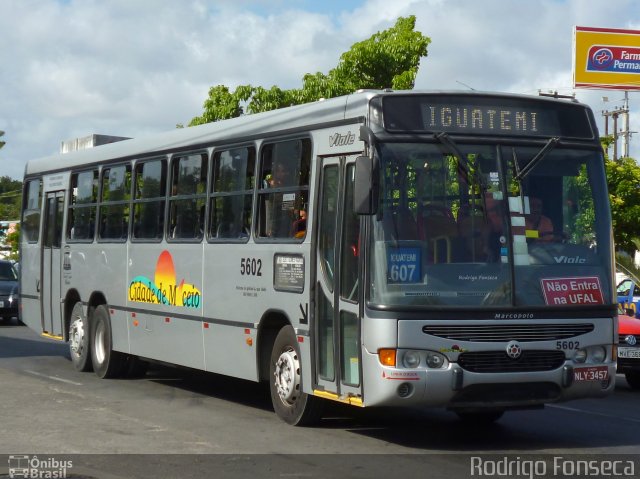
pixel 251 266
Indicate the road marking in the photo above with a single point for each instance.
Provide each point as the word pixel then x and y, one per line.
pixel 593 413
pixel 52 377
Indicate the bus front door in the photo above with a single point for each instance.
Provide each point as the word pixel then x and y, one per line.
pixel 337 321
pixel 51 264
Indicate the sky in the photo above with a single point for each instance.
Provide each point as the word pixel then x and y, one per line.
pixel 71 68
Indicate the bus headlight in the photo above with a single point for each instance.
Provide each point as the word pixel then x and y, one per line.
pixel 591 354
pixel 411 359
pixel 597 354
pixel 436 360
pixel 581 356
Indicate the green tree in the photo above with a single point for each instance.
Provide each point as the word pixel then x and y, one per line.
pixel 623 181
pixel 10 198
pixel 2 143
pixel 388 59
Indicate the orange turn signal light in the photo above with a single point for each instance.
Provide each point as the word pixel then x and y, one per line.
pixel 387 357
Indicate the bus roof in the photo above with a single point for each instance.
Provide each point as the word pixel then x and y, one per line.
pixel 235 129
pixel 319 113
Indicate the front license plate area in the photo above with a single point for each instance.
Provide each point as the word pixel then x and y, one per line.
pixel 592 373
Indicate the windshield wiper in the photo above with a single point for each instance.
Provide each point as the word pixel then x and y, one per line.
pixel 444 138
pixel 551 144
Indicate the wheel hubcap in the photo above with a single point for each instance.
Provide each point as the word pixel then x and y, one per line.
pixel 76 337
pixel 99 344
pixel 287 376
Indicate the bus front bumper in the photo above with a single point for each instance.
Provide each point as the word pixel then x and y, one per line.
pixel 456 388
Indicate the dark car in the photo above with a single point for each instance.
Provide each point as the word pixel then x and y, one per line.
pixel 9 293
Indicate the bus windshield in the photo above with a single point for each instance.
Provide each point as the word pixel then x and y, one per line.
pixel 486 225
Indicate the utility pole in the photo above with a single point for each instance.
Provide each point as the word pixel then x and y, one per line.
pixel 614 114
pixel 624 133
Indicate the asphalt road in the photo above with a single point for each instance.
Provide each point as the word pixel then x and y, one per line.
pixel 182 423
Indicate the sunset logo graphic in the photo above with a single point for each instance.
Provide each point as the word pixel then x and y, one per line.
pixel 164 289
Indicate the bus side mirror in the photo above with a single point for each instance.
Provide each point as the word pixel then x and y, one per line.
pixel 365 194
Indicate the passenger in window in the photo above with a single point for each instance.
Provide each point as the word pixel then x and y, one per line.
pixel 279 176
pixel 299 226
pixel 538 226
pixel 282 204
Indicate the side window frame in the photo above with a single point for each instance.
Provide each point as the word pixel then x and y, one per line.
pixel 145 195
pixel 232 195
pixel 32 211
pixel 78 203
pixel 187 198
pixel 283 201
pixel 105 222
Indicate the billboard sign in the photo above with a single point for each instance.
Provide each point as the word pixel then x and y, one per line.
pixel 606 58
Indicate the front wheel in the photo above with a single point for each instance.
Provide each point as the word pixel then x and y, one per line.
pixel 633 379
pixel 79 339
pixel 285 383
pixel 107 363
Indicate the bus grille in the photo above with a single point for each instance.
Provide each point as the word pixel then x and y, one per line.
pixel 508 332
pixel 499 362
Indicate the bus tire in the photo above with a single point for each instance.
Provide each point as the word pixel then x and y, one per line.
pixel 480 418
pixel 79 339
pixel 107 363
pixel 285 383
pixel 633 379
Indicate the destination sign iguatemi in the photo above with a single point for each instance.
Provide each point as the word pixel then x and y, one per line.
pixel 504 120
pixel 489 115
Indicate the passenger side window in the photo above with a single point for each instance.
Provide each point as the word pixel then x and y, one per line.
pixel 283 196
pixel 188 197
pixel 232 194
pixel 31 214
pixel 148 203
pixel 83 206
pixel 114 203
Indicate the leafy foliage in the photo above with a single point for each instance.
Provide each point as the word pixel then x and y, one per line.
pixel 623 181
pixel 389 59
pixel 625 263
pixel 10 198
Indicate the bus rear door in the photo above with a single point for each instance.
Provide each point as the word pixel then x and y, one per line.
pixel 52 264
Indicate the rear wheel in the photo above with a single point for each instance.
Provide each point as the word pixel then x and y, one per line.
pixel 285 382
pixel 633 379
pixel 107 363
pixel 79 339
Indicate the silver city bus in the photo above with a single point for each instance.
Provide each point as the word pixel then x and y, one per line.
pixel 380 249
